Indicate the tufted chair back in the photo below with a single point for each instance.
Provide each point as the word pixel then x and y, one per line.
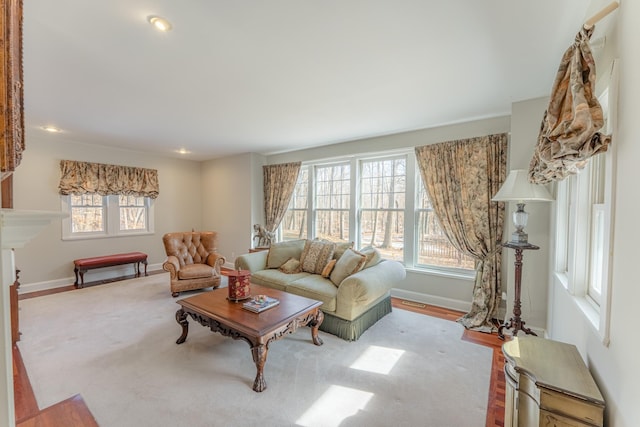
pixel 190 247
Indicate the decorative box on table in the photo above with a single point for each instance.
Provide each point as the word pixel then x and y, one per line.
pixel 239 285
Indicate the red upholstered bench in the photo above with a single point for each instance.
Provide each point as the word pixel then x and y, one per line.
pixel 84 264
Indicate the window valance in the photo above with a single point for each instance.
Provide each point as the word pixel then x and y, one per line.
pixel 569 133
pixel 97 178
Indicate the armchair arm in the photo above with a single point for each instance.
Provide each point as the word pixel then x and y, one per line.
pixel 216 261
pixel 253 262
pixel 172 265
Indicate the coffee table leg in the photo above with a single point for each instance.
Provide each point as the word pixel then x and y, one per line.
pixel 315 324
pixel 181 318
pixel 259 353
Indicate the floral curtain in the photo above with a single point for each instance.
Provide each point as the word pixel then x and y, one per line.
pixel 461 177
pixel 279 183
pixel 97 178
pixel 569 132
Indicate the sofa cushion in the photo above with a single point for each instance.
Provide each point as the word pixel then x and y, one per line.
pixel 372 254
pixel 276 279
pixel 350 262
pixel 291 266
pixel 316 255
pixel 195 271
pixel 280 252
pixel 316 287
pixel 340 248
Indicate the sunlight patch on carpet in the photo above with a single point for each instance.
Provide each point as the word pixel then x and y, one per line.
pixel 379 360
pixel 336 404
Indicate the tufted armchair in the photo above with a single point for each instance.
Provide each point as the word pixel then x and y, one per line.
pixel 192 261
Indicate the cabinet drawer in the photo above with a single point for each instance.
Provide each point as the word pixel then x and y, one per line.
pixel 549 419
pixel 588 412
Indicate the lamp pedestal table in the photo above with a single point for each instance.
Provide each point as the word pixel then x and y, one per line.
pixel 516 322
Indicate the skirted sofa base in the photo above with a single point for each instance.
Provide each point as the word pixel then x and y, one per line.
pixel 351 330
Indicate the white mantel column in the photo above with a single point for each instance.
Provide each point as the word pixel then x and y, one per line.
pixel 16 229
pixel 7 407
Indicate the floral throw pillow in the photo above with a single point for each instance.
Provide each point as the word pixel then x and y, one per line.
pixel 315 255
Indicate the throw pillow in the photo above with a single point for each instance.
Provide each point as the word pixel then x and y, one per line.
pixel 340 248
pixel 291 266
pixel 315 255
pixel 372 254
pixel 350 262
pixel 326 271
pixel 280 252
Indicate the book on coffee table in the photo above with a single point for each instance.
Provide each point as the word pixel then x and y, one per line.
pixel 261 304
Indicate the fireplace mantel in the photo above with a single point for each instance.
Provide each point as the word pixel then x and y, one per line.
pixel 21 226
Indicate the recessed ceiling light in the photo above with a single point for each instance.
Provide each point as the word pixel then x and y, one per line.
pixel 159 23
pixel 183 151
pixel 51 129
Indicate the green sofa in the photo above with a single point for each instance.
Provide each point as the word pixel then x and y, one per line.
pixel 359 297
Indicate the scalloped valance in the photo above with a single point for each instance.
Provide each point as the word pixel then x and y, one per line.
pixel 97 178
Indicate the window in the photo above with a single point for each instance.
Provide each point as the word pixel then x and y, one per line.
pixel 378 201
pixel 382 205
pixel 434 248
pixel 584 228
pixel 332 201
pixel 96 216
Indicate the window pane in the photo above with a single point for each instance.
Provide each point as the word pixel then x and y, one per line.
pixel 294 225
pixel 597 253
pixel 385 231
pixel 87 213
pixel 433 247
pixel 133 213
pixel 332 225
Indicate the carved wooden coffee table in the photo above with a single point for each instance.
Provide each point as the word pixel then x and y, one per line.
pixel 213 310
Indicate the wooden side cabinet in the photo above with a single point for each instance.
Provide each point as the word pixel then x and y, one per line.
pixel 548 384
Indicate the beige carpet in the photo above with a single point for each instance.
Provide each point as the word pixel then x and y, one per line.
pixel 115 345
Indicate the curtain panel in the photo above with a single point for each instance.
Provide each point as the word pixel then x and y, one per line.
pixel 279 183
pixel 97 178
pixel 461 177
pixel 569 132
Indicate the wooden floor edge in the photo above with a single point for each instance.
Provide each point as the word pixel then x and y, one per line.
pixel 72 412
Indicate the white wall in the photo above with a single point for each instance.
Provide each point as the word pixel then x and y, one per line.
pixel 526 117
pixel 616 367
pixel 232 201
pixel 48 258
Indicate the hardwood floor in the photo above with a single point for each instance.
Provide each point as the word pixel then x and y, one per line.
pixel 73 412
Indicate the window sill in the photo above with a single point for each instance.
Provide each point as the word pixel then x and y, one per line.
pixel 107 236
pixel 471 276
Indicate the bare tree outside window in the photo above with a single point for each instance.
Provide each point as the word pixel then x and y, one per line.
pixel 332 202
pixel 434 248
pixel 87 213
pixel 133 213
pixel 382 203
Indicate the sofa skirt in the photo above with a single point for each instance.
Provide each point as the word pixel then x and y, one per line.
pixel 351 330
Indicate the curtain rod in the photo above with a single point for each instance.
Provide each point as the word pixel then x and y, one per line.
pixel 598 16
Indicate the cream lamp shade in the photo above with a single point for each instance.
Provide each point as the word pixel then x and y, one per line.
pixel 517 188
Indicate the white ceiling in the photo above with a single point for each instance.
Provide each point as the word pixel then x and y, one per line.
pixel 271 76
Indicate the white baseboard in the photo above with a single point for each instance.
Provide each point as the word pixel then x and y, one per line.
pixel 90 276
pixel 449 303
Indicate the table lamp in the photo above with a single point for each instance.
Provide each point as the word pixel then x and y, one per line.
pixel 518 188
